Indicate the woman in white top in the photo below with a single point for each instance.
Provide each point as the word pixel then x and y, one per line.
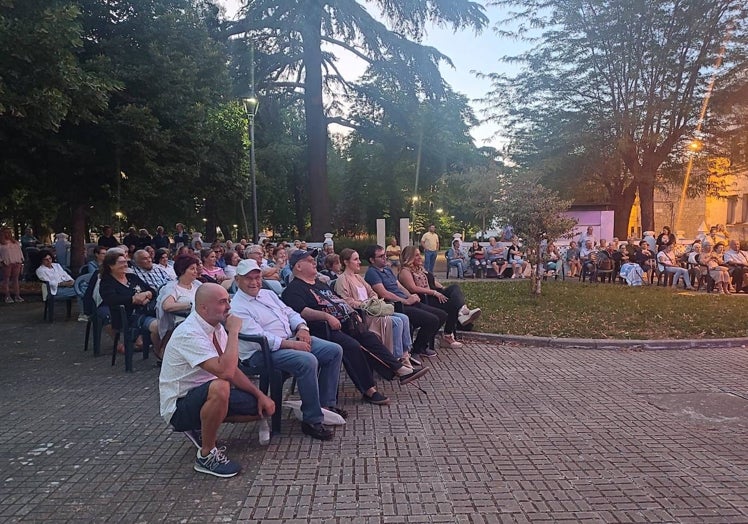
pixel 176 298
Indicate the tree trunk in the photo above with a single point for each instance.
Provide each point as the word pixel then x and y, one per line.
pixel 646 199
pixel 78 234
pixel 316 125
pixel 622 208
pixel 536 282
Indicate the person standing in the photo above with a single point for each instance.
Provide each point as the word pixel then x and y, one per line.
pixel 430 245
pixel 107 239
pixel 181 237
pixel 11 262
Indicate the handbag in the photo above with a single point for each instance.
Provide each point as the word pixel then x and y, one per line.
pixel 377 307
pixel 355 326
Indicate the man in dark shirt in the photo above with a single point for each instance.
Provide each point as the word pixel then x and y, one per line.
pixel 161 240
pixel 181 237
pixel 107 238
pixel 428 318
pixel 321 308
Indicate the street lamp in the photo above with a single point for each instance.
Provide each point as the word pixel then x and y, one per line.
pixel 119 215
pixel 251 104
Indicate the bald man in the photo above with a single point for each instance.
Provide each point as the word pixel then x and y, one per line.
pixel 201 385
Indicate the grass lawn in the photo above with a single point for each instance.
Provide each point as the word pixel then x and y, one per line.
pixel 571 309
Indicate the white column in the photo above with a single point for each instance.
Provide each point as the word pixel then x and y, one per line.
pixel 381 240
pixel 404 232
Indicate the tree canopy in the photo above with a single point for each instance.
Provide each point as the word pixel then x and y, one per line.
pixel 635 73
pixel 296 35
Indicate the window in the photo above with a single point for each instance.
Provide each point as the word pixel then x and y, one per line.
pixel 732 210
pixel 745 208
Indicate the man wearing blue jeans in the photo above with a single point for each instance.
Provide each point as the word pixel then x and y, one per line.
pixel 292 348
pixel 430 245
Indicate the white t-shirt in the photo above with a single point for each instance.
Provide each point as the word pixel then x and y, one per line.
pixel 190 345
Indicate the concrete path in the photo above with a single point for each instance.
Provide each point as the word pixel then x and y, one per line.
pixel 501 433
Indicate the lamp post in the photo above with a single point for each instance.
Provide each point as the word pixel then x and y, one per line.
pixel 251 104
pixel 119 216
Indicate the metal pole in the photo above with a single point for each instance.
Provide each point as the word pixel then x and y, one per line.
pixel 252 169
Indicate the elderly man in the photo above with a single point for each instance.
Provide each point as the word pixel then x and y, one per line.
pixel 270 275
pixel 496 257
pixel 201 385
pixel 152 274
pixel 427 319
pixel 292 348
pixel 588 258
pixel 589 235
pixel 737 261
pixel 323 309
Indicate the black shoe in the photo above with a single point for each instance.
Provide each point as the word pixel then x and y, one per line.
pixel 377 398
pixel 340 411
pixel 317 431
pixel 415 361
pixel 407 379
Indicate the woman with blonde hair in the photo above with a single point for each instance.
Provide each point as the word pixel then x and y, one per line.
pixel 394 330
pixel 414 277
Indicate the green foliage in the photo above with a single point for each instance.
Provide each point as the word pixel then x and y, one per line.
pixel 570 309
pixel 44 82
pixel 638 71
pixel 290 34
pixel 158 141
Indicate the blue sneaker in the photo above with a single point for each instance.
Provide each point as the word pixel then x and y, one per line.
pixel 217 464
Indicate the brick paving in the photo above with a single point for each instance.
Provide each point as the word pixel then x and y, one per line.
pixel 503 433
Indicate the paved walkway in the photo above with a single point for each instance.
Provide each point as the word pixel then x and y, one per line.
pixel 502 433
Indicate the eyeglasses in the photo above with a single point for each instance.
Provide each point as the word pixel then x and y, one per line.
pixel 380 256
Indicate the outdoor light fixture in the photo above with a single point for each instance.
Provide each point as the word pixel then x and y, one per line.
pixel 251 104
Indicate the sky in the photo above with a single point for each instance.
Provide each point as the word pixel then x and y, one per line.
pixel 468 52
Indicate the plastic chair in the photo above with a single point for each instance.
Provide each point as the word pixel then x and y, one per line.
pixel 271 379
pixel 130 334
pixel 94 323
pixel 49 303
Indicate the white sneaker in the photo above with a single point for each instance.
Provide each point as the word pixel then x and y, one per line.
pixel 464 310
pixel 471 316
pixel 404 371
pixel 82 317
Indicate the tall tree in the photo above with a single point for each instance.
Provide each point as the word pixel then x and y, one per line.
pixel 640 67
pixel 294 31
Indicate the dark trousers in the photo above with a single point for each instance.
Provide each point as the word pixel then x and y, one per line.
pixel 358 362
pixel 451 307
pixel 738 274
pixel 429 319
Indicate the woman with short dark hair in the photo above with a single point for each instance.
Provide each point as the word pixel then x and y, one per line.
pixel 119 287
